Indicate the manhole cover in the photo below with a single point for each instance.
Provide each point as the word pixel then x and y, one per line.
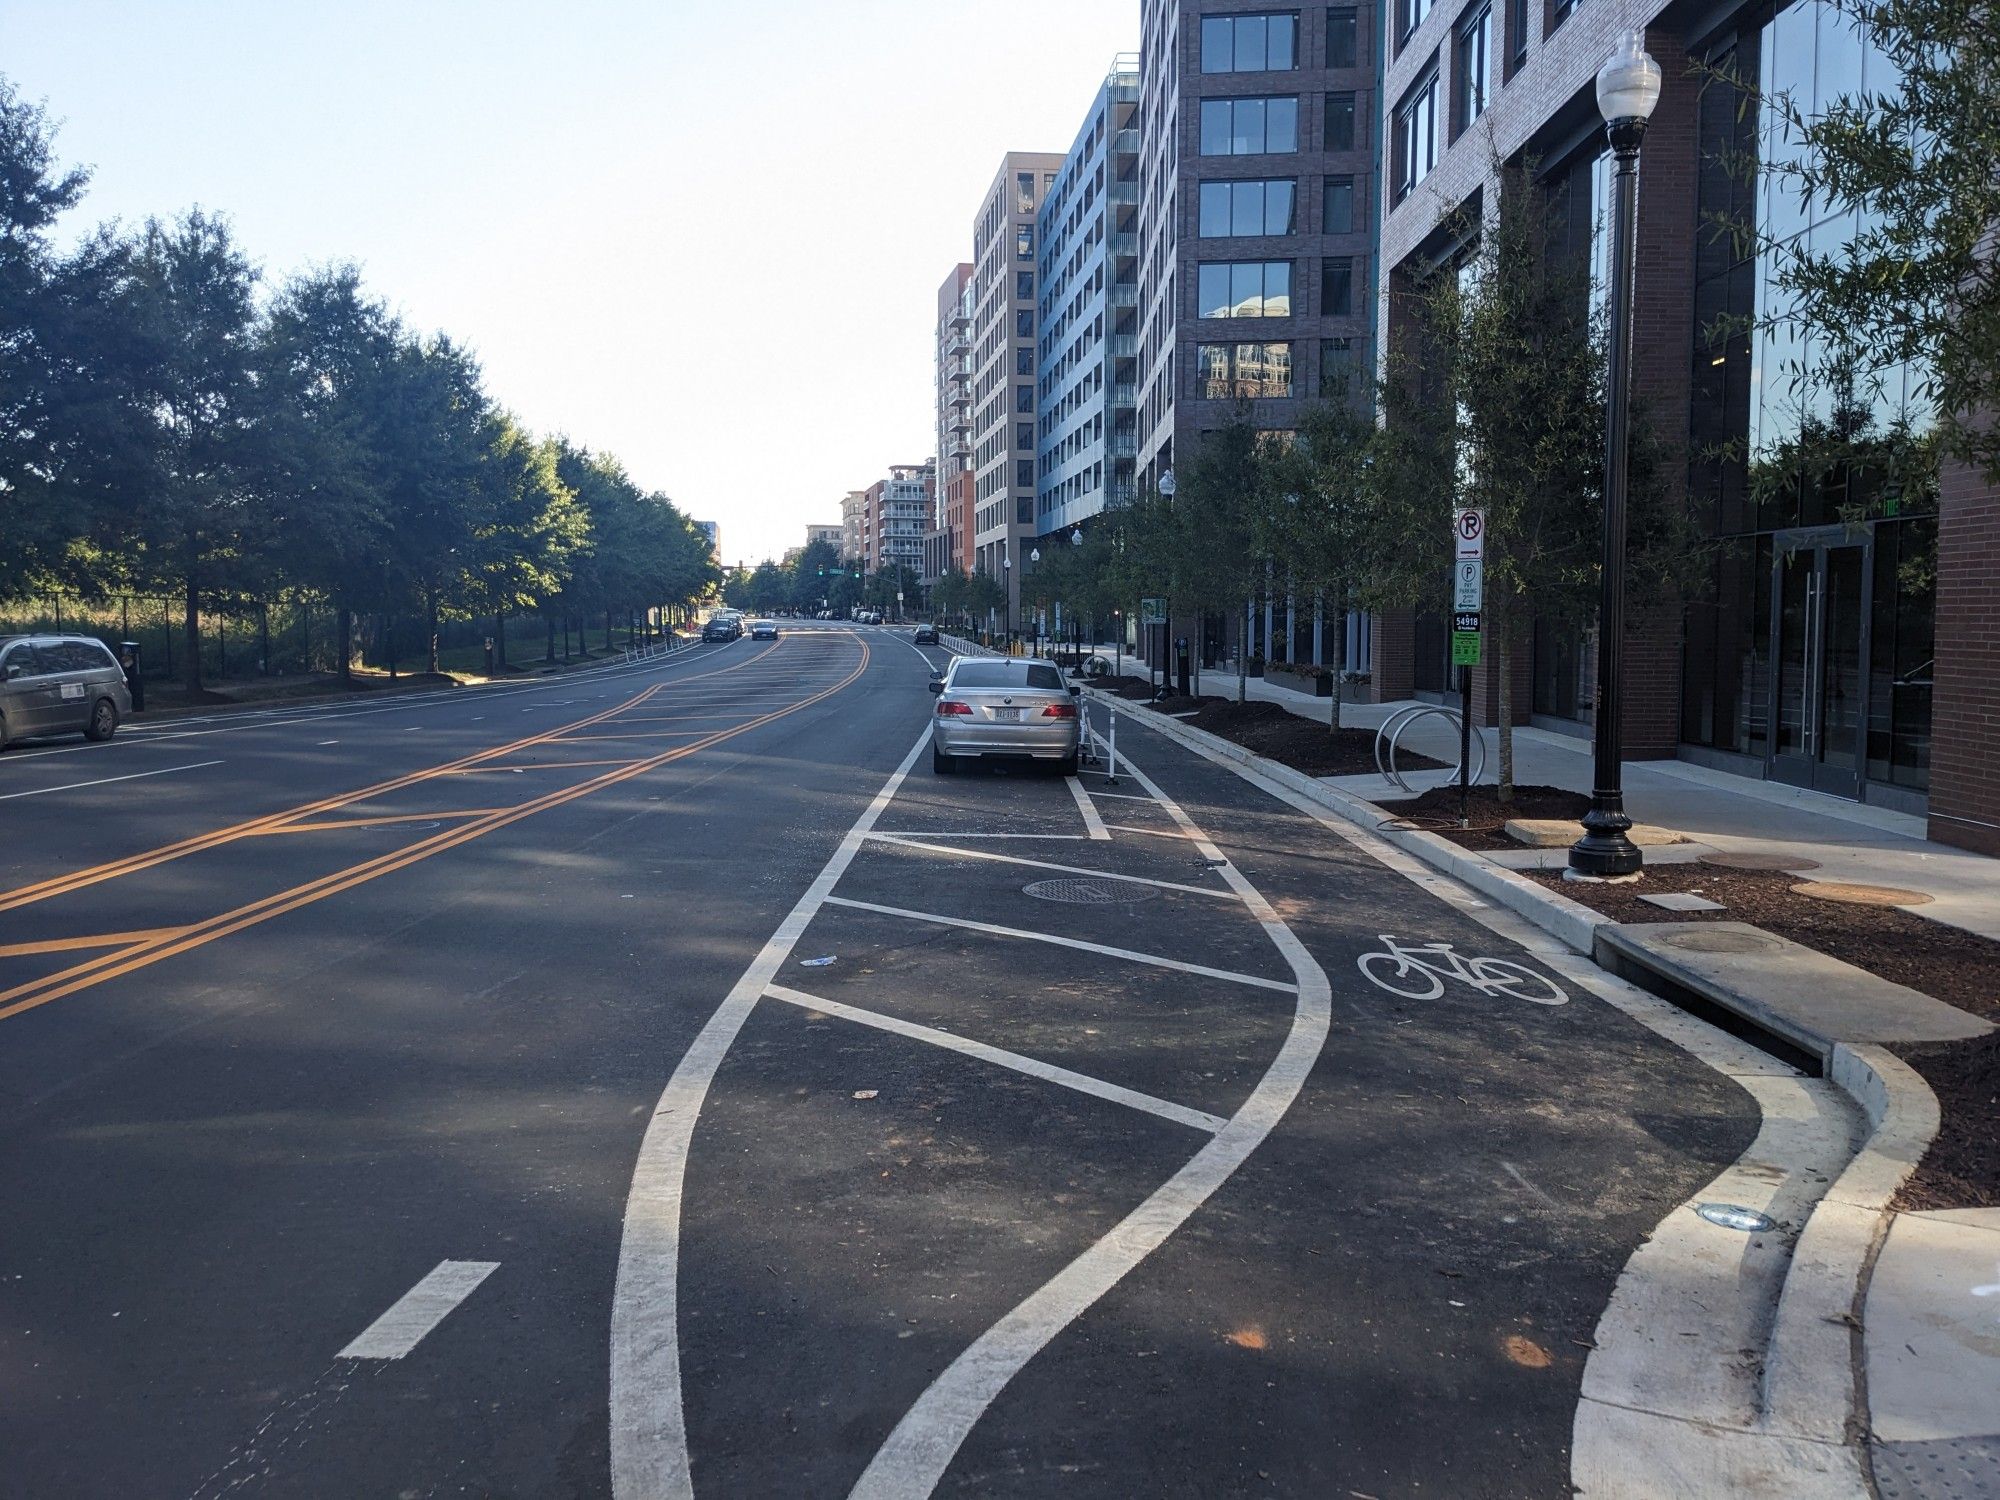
pixel 1089 892
pixel 1859 895
pixel 1750 859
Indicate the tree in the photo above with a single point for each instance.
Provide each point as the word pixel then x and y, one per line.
pixel 193 510
pixel 1511 367
pixel 1919 284
pixel 812 575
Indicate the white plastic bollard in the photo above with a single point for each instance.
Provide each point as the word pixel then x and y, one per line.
pixel 1111 751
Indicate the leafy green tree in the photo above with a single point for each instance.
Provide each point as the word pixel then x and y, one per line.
pixel 813 574
pixel 1918 286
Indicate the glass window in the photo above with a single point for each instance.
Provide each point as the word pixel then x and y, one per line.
pixel 1024 398
pixel 1024 284
pixel 1249 127
pixel 1244 289
pixel 1559 12
pixel 1517 33
pixel 1226 371
pixel 1024 242
pixel 1416 136
pixel 1343 370
pixel 1337 206
pixel 1475 40
pixel 1257 206
pixel 1336 288
pixel 1340 122
pixel 1024 361
pixel 1410 14
pixel 1249 44
pixel 1343 37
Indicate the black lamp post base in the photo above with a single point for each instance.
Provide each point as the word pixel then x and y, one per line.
pixel 1604 852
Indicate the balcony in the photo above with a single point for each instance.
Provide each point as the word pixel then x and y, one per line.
pixel 1122 445
pixel 1125 394
pixel 1120 492
pixel 1124 345
pixel 1125 194
pixel 1124 294
pixel 1124 244
pixel 1126 143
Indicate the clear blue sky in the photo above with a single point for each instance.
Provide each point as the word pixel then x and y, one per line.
pixel 706 237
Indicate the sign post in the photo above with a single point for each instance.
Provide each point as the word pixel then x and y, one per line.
pixel 1468 538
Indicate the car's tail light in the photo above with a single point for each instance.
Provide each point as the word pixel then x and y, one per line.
pixel 1060 711
pixel 947 706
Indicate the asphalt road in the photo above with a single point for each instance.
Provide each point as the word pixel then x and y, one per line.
pixel 657 1081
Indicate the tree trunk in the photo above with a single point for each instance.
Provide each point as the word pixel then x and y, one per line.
pixel 263 639
pixel 549 620
pixel 346 646
pixel 1503 656
pixel 191 638
pixel 389 643
pixel 499 641
pixel 431 631
pixel 607 630
pixel 1340 662
pixel 1243 655
pixel 221 646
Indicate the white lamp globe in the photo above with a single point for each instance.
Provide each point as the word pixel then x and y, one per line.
pixel 1628 85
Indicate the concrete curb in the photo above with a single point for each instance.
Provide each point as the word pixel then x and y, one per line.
pixel 1813 1395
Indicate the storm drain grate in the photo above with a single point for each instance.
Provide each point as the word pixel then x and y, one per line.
pixel 1089 892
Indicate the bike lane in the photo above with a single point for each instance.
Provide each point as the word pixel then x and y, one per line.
pixel 1392 1292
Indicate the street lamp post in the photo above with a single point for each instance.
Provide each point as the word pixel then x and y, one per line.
pixel 1007 587
pixel 1628 88
pixel 1034 556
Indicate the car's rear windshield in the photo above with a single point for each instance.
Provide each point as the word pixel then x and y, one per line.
pixel 1000 674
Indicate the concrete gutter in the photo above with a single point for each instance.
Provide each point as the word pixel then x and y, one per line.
pixel 1805 1425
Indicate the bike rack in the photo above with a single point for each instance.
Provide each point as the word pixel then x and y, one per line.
pixel 1392 732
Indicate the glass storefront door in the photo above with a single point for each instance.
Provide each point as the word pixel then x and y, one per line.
pixel 1819 630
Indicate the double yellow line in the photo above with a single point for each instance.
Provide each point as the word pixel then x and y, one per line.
pixel 77 879
pixel 167 943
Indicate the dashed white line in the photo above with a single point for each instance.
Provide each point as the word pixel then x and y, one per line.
pixel 419 1310
pixel 77 786
pixel 1127 954
pixel 1083 1083
pixel 1085 806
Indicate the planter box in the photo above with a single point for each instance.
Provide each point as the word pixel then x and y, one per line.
pixel 1315 680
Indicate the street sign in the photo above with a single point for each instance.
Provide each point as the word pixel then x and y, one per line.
pixel 1465 648
pixel 1466 621
pixel 1468 583
pixel 1468 530
pixel 1152 611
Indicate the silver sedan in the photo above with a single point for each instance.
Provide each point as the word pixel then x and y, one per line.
pixel 1001 707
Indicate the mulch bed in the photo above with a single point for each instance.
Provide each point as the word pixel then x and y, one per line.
pixel 1962 1168
pixel 1280 735
pixel 1436 811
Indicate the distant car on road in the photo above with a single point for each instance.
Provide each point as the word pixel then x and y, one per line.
pixel 60 684
pixel 721 629
pixel 1005 708
pixel 925 635
pixel 763 630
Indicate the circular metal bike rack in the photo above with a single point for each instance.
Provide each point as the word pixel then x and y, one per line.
pixel 1391 734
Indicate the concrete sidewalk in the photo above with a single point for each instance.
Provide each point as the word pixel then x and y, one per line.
pixel 1852 841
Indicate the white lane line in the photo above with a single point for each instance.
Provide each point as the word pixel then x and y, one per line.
pixel 898 841
pixel 324 743
pixel 649 1448
pixel 77 786
pixel 911 1463
pixel 1158 833
pixel 1085 806
pixel 1122 796
pixel 957 833
pixel 1083 1083
pixel 419 1310
pixel 1127 954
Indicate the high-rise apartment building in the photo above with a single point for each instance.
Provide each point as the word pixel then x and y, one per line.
pixel 831 535
pixel 896 513
pixel 1087 313
pixel 948 547
pixel 854 526
pixel 1813 654
pixel 1005 253
pixel 1257 166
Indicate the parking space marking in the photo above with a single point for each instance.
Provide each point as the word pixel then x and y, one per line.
pixel 1127 954
pixel 649 1447
pixel 912 1462
pixel 1085 806
pixel 1083 1083
pixel 964 833
pixel 1158 833
pixel 77 786
pixel 900 841
pixel 1120 796
pixel 419 1310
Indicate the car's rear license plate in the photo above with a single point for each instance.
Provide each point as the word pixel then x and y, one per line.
pixel 1007 715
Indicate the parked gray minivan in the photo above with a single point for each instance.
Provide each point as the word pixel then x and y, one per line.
pixel 60 684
